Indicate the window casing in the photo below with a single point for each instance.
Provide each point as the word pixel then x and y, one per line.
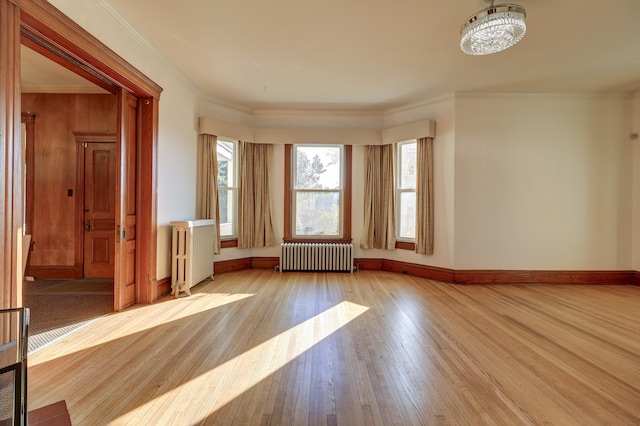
pixel 311 193
pixel 318 191
pixel 406 174
pixel 227 152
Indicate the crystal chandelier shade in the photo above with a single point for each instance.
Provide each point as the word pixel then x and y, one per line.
pixel 493 29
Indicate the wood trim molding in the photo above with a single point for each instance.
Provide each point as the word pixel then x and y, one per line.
pixel 95 137
pixel 223 266
pixel 31 43
pixel 422 271
pixel 405 245
pixel 318 240
pixel 346 211
pixel 346 214
pixel 542 277
pixel 163 286
pixel 288 148
pixel 366 264
pixel 451 276
pixel 264 262
pixel 62 37
pixel 29 120
pixel 228 243
pixel 10 158
pixel 147 183
pixel 55 272
pixel 231 265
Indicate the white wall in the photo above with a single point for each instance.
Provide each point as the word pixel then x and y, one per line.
pixel 542 182
pixel 441 111
pixel 522 182
pixel 634 126
pixel 179 107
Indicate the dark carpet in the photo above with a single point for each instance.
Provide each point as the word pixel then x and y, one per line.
pixel 60 307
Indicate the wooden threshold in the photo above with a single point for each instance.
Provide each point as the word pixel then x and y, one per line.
pixel 55 414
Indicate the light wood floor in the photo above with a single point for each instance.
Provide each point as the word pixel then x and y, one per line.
pixel 260 347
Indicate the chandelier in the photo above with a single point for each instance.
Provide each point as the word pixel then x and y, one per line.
pixel 493 29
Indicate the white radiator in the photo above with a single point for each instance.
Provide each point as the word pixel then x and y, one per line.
pixel 191 254
pixel 316 257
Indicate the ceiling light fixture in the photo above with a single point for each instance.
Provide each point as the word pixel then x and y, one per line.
pixel 493 29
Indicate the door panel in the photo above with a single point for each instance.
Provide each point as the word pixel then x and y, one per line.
pixel 125 272
pixel 99 209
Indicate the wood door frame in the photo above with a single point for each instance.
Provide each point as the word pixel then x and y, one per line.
pixel 37 21
pixel 29 120
pixel 82 138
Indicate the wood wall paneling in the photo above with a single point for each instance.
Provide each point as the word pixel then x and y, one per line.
pixel 55 181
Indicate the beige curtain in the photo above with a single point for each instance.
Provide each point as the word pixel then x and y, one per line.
pixel 208 199
pixel 255 228
pixel 424 197
pixel 379 205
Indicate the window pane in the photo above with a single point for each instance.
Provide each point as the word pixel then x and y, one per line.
pixel 226 173
pixel 318 167
pixel 317 213
pixel 407 215
pixel 408 165
pixel 226 201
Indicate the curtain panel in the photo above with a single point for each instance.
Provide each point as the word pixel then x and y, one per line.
pixel 424 197
pixel 255 227
pixel 208 198
pixel 379 201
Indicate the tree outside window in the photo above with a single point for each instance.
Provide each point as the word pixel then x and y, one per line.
pixel 318 190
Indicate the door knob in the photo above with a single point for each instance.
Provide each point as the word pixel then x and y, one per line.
pixel 89 225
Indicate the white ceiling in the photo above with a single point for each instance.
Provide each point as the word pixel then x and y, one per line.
pixel 380 54
pixel 41 75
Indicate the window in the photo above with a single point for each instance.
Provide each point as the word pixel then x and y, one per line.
pixel 227 188
pixel 406 191
pixel 318 193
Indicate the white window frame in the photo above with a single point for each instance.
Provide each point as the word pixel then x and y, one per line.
pixel 295 191
pixel 399 190
pixel 232 189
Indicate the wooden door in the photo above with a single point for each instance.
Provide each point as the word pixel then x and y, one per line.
pixel 125 278
pixel 100 161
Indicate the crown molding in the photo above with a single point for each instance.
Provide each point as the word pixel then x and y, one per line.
pixel 110 13
pixel 541 95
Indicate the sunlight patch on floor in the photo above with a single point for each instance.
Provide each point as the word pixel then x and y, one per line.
pixel 193 305
pixel 238 375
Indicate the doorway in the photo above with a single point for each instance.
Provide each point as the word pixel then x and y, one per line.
pixel 61 39
pixel 97 162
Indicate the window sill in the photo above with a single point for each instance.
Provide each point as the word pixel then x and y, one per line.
pixel 318 240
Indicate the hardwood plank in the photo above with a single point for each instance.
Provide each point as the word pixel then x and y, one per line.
pixel 257 347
